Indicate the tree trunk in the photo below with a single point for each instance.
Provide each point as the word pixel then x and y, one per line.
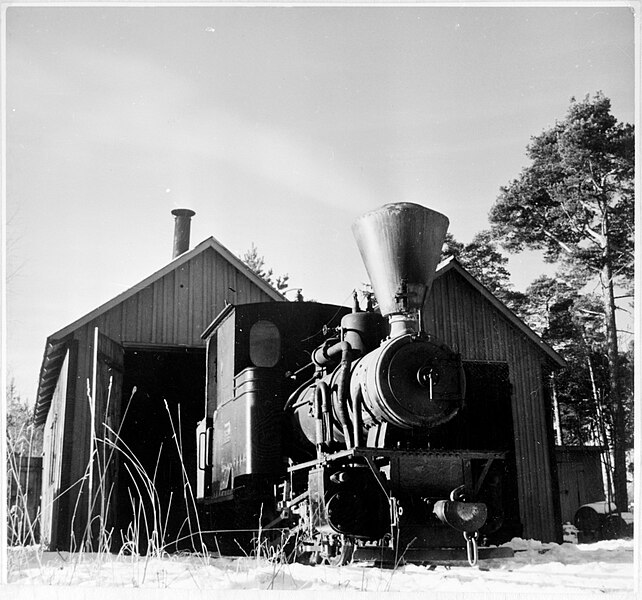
pixel 600 432
pixel 557 426
pixel 615 389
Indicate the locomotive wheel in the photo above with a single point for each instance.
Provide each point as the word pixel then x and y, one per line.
pixel 335 550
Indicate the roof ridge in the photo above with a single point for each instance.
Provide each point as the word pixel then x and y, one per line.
pixel 210 242
pixel 451 263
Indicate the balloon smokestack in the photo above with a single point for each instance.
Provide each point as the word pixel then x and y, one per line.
pixel 400 245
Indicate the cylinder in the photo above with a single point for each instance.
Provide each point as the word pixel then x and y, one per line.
pixel 364 331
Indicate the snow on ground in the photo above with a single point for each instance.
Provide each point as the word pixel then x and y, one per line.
pixel 584 569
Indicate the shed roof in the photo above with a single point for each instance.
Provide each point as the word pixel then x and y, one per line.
pixel 56 345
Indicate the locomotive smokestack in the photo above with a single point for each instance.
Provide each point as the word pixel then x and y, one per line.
pixel 400 245
pixel 181 230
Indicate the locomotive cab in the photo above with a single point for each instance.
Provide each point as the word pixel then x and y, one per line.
pixel 257 355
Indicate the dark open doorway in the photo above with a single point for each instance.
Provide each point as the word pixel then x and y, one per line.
pixel 486 423
pixel 163 398
pixel 486 420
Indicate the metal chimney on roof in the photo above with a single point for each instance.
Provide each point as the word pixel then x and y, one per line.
pixel 181 230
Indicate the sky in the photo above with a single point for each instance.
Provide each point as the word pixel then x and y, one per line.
pixel 279 126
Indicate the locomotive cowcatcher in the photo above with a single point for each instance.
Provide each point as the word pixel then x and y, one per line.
pixel 320 420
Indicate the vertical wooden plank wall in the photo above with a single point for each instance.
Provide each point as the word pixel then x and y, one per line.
pixel 460 316
pixel 580 477
pixel 24 493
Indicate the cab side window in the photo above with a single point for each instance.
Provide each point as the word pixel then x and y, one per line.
pixel 265 344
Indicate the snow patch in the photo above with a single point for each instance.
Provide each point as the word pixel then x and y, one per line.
pixel 602 567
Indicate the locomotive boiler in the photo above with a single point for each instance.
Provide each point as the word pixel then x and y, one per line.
pixel 321 420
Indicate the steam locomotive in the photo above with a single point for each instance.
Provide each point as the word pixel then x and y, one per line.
pixel 322 421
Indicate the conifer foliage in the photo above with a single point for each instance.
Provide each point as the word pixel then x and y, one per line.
pixel 23 437
pixel 256 262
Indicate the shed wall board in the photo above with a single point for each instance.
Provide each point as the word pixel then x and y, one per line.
pixel 59 492
pixel 109 379
pixel 52 463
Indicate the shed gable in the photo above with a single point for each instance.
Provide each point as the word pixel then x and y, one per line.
pixel 473 321
pixel 175 309
pixel 171 307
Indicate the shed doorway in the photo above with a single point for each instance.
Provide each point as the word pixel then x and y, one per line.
pixel 163 399
pixel 486 423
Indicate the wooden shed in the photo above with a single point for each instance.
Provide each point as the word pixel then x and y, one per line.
pixel 580 478
pixel 142 354
pixel 24 499
pixel 509 366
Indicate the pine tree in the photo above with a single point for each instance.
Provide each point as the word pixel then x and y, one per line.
pixel 575 201
pixel 23 437
pixel 483 259
pixel 256 263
